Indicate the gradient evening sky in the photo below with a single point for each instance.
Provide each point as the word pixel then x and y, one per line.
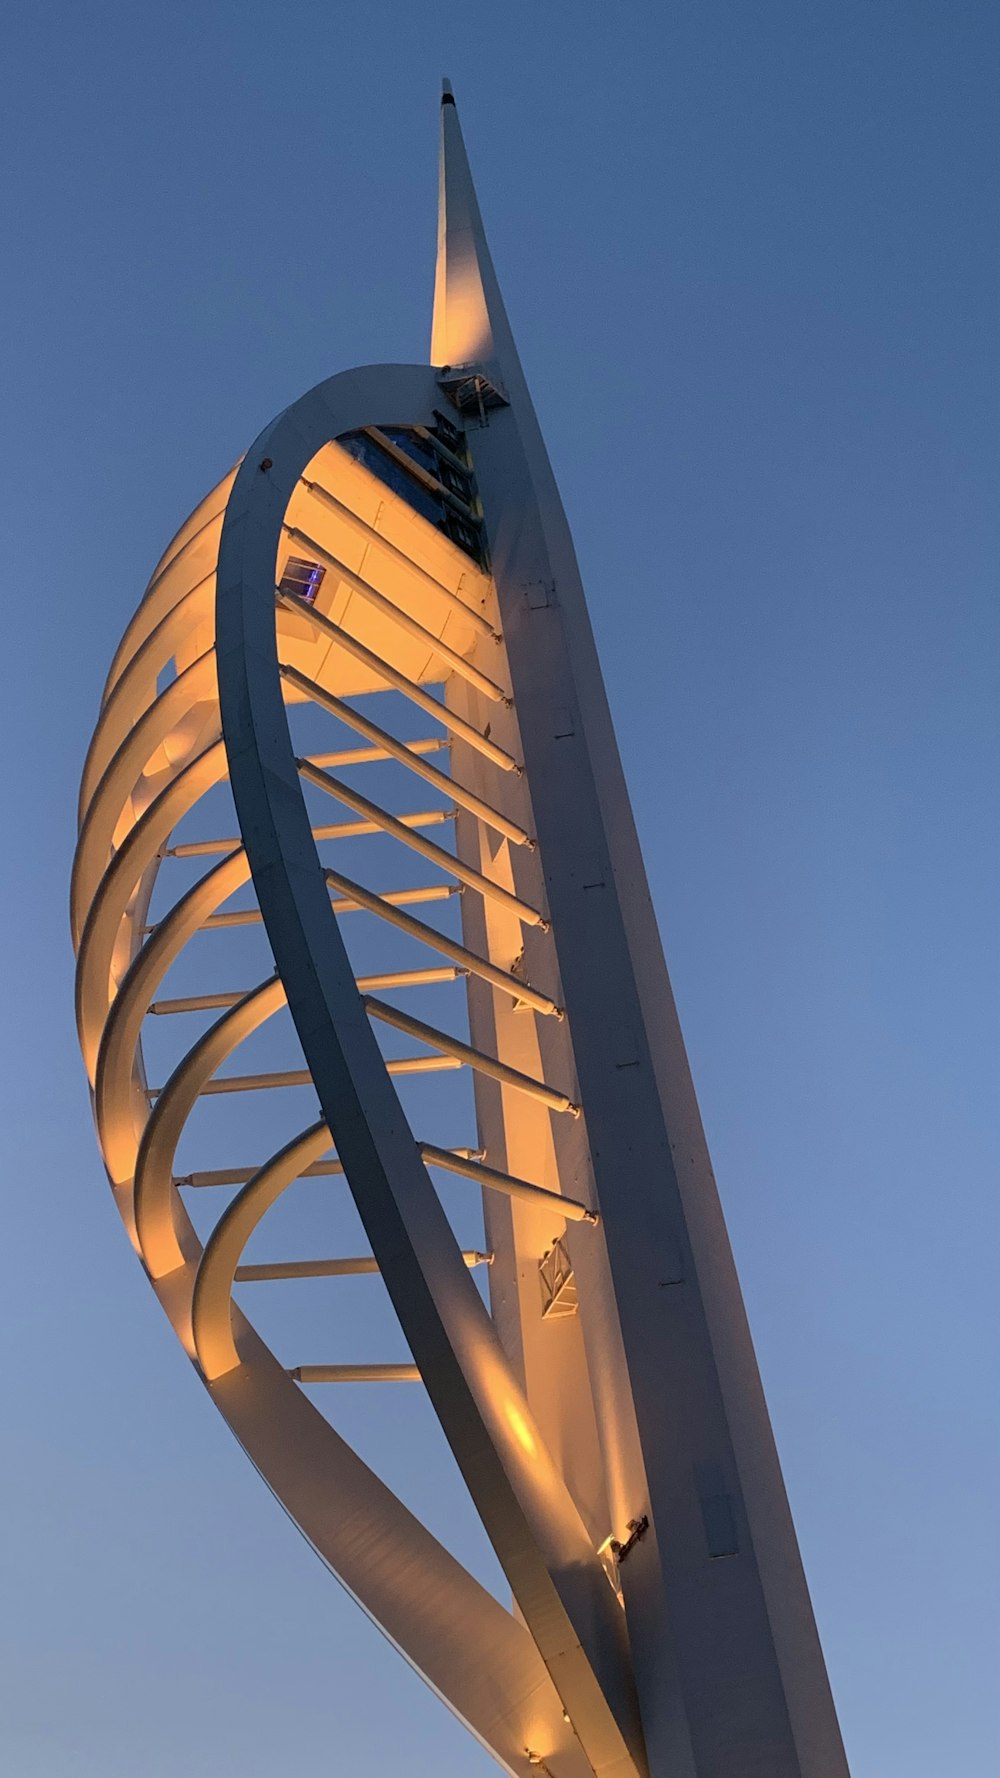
pixel 749 251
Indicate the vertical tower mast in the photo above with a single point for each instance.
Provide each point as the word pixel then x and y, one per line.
pixel 728 1664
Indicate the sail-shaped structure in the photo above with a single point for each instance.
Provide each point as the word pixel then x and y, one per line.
pixel 355 743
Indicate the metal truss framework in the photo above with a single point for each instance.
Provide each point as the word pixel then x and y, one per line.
pixel 391 559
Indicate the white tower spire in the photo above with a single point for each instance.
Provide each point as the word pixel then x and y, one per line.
pixel 470 323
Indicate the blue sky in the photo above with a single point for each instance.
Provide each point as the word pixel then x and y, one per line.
pixel 750 255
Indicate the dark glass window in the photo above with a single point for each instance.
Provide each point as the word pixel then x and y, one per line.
pixel 432 503
pixel 450 436
pixel 420 449
pixel 393 474
pixel 302 578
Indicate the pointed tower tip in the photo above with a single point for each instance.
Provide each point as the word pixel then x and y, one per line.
pixel 470 326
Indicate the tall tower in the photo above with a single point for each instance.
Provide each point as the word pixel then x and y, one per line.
pixel 381 603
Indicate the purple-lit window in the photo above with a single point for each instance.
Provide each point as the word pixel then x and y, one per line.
pixel 302 578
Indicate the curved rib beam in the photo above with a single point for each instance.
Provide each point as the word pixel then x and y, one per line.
pixel 211 1319
pixel 136 689
pixel 120 1037
pixel 155 1192
pixel 193 688
pixel 467 1646
pixel 554 1570
pixel 180 571
pixel 95 990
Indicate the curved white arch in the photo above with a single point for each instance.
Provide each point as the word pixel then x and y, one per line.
pixel 139 781
pixel 211 1308
pixel 556 1574
pixel 155 1194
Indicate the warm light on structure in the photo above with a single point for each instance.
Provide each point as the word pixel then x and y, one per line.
pixel 356 733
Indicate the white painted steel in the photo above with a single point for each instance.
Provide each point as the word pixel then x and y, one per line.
pixel 642 1406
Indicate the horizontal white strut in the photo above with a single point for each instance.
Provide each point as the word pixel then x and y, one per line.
pixel 365 756
pixel 399 978
pixel 396 897
pixel 404 897
pixel 401 751
pixel 456 867
pixel 376 540
pixel 240 1175
pixel 341 830
pixel 301 1077
pixel 371 595
pixel 467 1164
pixel 416 693
pixel 465 1054
pixel 470 961
pixel 280 1270
pixel 355 1373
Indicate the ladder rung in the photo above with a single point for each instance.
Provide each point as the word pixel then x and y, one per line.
pixel 329 1268
pixel 355 1373
pixel 449 719
pixel 447 861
